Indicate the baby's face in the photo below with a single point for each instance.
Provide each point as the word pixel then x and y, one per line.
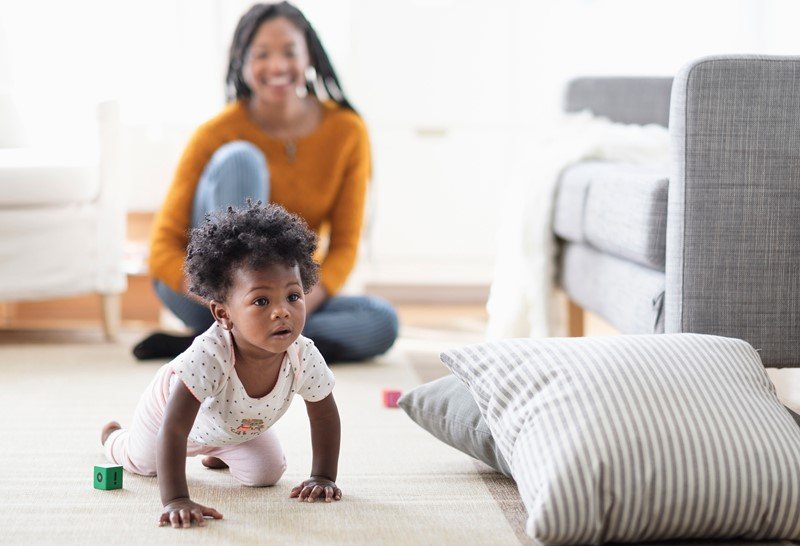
pixel 267 309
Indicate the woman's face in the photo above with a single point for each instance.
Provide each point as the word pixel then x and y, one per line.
pixel 276 61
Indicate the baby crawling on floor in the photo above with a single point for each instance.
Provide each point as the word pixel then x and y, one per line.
pixel 219 398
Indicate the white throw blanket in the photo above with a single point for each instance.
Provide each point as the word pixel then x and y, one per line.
pixel 521 301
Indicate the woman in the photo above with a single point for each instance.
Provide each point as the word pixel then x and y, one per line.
pixel 278 140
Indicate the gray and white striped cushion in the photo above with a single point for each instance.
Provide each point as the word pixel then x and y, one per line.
pixel 631 438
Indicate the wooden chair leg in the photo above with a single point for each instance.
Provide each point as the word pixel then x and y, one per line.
pixel 112 315
pixel 575 316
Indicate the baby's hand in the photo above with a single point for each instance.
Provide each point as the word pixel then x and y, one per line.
pixel 313 488
pixel 182 512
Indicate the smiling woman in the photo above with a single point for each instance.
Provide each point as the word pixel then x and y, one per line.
pixel 289 136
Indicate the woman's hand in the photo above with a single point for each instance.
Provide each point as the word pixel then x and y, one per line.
pixel 182 512
pixel 314 488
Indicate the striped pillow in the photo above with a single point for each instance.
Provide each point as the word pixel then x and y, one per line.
pixel 633 438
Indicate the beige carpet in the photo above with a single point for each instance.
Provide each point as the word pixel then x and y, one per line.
pixel 401 486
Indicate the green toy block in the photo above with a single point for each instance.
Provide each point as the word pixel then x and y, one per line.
pixel 107 476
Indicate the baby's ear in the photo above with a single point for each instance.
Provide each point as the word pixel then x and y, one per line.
pixel 220 313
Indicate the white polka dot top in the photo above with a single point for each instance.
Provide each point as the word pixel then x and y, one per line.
pixel 227 414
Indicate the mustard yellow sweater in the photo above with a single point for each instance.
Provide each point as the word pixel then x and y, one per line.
pixel 326 184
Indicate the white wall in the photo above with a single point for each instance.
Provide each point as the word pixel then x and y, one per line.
pixel 452 90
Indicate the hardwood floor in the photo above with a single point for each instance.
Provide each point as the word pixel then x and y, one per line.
pixel 139 306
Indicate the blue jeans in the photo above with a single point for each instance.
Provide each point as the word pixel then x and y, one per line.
pixel 344 327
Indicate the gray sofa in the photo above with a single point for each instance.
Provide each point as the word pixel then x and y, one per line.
pixel 711 243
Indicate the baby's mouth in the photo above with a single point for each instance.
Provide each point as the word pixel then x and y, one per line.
pixel 282 332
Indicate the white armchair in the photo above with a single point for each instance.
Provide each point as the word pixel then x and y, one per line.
pixel 62 223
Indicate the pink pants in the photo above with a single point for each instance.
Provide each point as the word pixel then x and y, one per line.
pixel 258 462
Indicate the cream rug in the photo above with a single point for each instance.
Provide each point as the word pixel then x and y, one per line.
pixel 401 486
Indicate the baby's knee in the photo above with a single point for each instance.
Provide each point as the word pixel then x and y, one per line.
pixel 263 477
pixel 134 456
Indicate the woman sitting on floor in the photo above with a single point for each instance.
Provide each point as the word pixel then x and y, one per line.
pixel 277 141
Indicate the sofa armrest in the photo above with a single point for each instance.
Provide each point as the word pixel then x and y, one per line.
pixel 623 100
pixel 733 224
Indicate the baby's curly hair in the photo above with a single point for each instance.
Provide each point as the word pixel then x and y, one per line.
pixel 253 236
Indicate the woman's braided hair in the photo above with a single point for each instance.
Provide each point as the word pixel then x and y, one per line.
pixel 237 88
pixel 252 236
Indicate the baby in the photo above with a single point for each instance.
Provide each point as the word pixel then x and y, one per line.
pixel 253 265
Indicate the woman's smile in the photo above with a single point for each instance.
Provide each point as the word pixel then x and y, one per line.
pixel 280 81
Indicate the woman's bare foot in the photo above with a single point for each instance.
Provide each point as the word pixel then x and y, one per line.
pixel 107 430
pixel 213 462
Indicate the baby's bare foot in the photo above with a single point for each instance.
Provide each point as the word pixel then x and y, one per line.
pixel 108 429
pixel 213 462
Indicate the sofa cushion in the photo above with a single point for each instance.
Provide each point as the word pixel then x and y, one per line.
pixel 627 295
pixel 619 208
pixel 570 202
pixel 55 252
pixel 30 177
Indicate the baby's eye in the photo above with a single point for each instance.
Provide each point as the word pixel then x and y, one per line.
pixel 261 302
pixel 294 297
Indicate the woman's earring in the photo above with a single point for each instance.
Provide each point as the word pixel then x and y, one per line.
pixel 310 77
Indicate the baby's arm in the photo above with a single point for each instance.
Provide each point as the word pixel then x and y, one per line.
pixel 179 510
pixel 325 439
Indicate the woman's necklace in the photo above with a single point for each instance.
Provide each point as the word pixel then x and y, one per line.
pixel 290 144
pixel 290 147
